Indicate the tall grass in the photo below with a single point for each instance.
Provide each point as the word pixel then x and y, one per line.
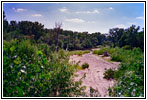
pixel 78 52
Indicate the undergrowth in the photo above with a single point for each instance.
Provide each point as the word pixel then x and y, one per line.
pixel 130 73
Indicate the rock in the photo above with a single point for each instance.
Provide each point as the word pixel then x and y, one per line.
pixel 106 54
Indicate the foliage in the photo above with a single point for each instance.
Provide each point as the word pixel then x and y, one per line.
pixel 116 57
pixel 79 52
pixel 127 47
pixel 109 74
pixel 99 52
pixel 32 68
pixel 131 37
pixel 130 84
pixel 130 73
pixel 85 65
pixel 94 92
pixel 57 37
pixel 45 49
pixel 27 71
pixel 69 40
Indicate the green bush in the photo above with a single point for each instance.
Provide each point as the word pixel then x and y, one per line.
pixel 45 49
pixel 116 57
pixel 86 51
pixel 27 72
pixel 109 74
pixel 98 52
pixel 130 82
pixel 130 73
pixel 127 47
pixel 79 52
pixel 85 65
pixel 94 92
pixel 95 51
pixel 102 50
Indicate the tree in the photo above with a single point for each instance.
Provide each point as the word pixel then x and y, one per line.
pixel 130 37
pixel 5 23
pixel 58 31
pixel 132 33
pixel 31 28
pixel 13 25
pixel 115 34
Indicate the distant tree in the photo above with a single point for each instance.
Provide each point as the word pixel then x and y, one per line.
pixel 115 34
pixel 31 28
pixel 5 23
pixel 127 37
pixel 132 33
pixel 6 35
pixel 58 31
pixel 13 25
pixel 140 39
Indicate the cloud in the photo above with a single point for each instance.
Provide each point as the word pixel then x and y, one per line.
pixel 110 8
pixel 120 26
pixel 91 22
pixel 140 17
pixel 88 12
pixel 75 20
pixel 96 12
pixel 64 9
pixel 19 9
pixel 36 15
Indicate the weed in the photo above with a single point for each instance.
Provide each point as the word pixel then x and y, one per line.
pixel 85 65
pixel 109 74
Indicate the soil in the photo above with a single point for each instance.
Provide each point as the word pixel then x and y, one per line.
pixel 94 74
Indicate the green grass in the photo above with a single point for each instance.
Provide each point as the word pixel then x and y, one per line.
pixel 102 50
pixel 79 52
pixel 99 52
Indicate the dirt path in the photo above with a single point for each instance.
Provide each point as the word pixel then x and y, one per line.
pixel 94 74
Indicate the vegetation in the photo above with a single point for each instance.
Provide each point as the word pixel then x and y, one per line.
pixel 85 65
pixel 130 37
pixel 94 93
pixel 109 74
pixel 99 52
pixel 129 75
pixel 29 71
pixel 35 63
pixel 79 52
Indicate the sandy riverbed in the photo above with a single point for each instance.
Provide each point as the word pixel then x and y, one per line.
pixel 94 74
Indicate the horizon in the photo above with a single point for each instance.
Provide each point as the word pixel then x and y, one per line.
pixel 78 17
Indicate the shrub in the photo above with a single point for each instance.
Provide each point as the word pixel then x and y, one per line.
pixel 85 65
pixel 130 73
pixel 127 47
pixel 116 57
pixel 113 50
pixel 94 51
pixel 45 49
pixel 109 74
pixel 27 72
pixel 79 52
pixel 94 92
pixel 98 52
pixel 86 51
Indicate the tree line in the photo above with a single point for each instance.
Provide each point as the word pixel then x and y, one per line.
pixel 68 40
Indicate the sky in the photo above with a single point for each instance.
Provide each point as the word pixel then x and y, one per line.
pixel 81 17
